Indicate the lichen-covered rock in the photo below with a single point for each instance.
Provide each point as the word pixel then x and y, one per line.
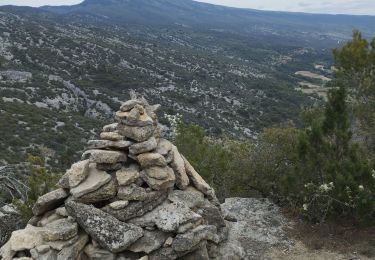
pixel 104 156
pixel 106 144
pixel 49 201
pixel 109 232
pixel 159 178
pixel 191 197
pixel 143 147
pixel 200 253
pixel 150 241
pixel 73 251
pixel 137 208
pixel 167 217
pixel 137 133
pixel 132 192
pixel 110 127
pixel 128 175
pixel 112 136
pixel 130 104
pixel 185 242
pixel 147 160
pixel 62 229
pixel 95 253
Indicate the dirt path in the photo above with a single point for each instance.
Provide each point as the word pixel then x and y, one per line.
pixel 300 252
pixel 263 232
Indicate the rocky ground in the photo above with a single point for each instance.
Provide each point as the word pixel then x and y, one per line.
pixel 263 232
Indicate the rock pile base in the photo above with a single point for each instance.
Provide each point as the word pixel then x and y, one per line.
pixel 132 196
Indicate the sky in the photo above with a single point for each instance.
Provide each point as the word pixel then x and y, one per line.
pixel 310 6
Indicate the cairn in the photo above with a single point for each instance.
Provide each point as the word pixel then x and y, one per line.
pixel 132 196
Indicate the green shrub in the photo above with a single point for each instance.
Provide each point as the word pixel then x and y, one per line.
pixel 40 182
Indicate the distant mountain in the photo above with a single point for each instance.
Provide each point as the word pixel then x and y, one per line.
pixel 207 16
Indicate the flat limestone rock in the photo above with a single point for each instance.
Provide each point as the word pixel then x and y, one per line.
pixel 26 239
pixel 137 133
pixel 159 178
pixel 106 192
pixel 168 217
pixel 132 192
pixel 185 242
pixel 106 144
pixel 191 197
pixel 95 253
pixel 212 215
pixel 110 128
pixel 130 104
pixel 150 241
pixel 111 136
pixel 147 160
pixel 201 253
pixel 45 254
pixel 164 146
pixel 143 147
pixel 110 233
pixel 73 251
pixel 104 156
pixel 120 204
pixel 127 176
pixel 138 208
pixel 49 201
pixel 75 175
pixel 62 229
pixel 197 180
pixel 134 118
pixel 60 244
pixel 94 181
pixel 178 166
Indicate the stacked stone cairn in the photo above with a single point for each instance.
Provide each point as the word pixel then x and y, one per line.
pixel 132 196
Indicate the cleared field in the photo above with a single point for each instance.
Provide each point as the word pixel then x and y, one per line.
pixel 309 88
pixel 311 75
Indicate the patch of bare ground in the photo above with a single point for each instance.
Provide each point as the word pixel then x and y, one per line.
pixel 331 241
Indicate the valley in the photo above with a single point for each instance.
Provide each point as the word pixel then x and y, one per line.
pixel 67 70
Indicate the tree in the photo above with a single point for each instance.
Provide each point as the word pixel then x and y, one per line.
pixel 337 180
pixel 39 182
pixel 355 65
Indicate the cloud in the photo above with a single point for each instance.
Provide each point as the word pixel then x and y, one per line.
pixel 365 7
pixel 37 3
pixel 310 6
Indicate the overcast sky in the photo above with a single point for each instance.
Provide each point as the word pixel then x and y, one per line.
pixel 311 6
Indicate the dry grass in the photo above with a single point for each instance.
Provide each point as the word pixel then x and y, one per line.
pixel 345 239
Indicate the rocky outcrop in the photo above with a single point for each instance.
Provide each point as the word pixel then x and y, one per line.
pixel 133 196
pixel 258 227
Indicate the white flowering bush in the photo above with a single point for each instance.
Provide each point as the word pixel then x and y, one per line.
pixel 175 121
pixel 346 197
